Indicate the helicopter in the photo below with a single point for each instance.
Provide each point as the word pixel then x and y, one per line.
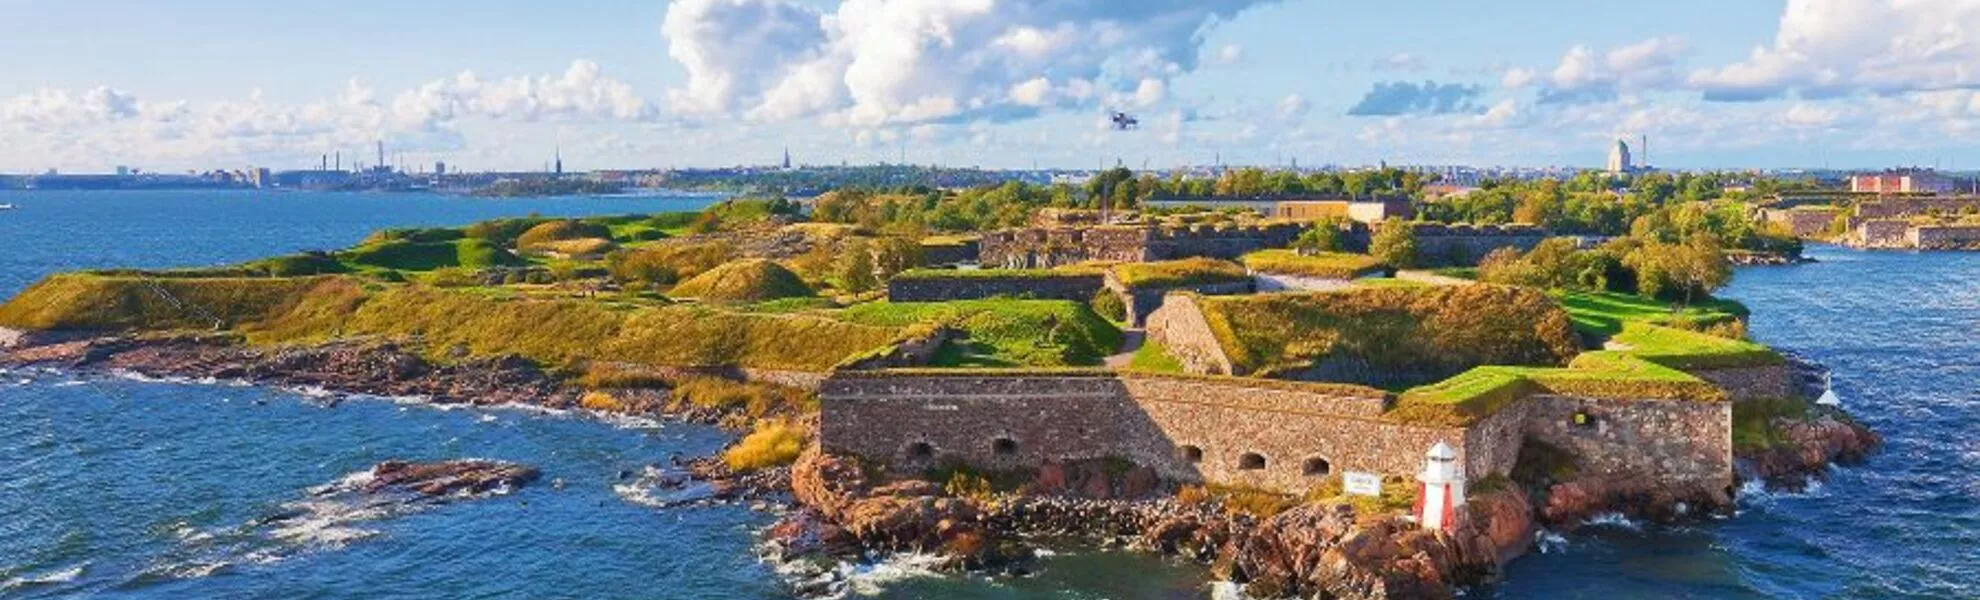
pixel 1124 122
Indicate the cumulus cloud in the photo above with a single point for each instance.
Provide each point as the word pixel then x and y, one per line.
pixel 1830 47
pixel 1294 106
pixel 1584 76
pixel 1430 97
pixel 871 63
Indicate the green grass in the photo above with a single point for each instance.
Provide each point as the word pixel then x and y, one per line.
pixel 1753 422
pixel 469 253
pixel 1332 265
pixel 1603 313
pixel 1152 357
pixel 1388 283
pixel 1477 393
pixel 1690 350
pixel 1004 332
pixel 1179 273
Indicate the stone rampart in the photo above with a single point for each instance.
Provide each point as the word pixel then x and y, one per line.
pixel 1900 207
pixel 1669 441
pixel 1274 435
pixel 1808 222
pixel 1049 247
pixel 1882 234
pixel 1944 237
pixel 1751 383
pixel 964 252
pixel 1437 243
pixel 1142 302
pixel 934 288
pixel 1179 326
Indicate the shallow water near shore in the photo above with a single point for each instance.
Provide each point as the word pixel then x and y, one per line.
pixel 121 488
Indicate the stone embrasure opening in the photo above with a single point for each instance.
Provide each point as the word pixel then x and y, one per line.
pixel 1191 453
pixel 1251 461
pixel 921 450
pixel 1004 446
pixel 1316 467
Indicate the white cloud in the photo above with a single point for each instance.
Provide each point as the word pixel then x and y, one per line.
pixel 1828 47
pixel 1516 78
pixel 1808 115
pixel 869 63
pixel 1294 106
pixel 103 124
pixel 1585 76
pixel 1228 54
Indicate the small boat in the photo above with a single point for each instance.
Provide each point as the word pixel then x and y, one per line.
pixel 6 207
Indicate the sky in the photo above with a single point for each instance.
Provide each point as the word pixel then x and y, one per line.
pixel 505 84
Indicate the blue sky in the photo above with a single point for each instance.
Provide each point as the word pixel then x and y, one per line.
pixel 1001 83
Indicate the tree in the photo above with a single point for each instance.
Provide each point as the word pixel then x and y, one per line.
pixel 897 254
pixel 856 268
pixel 1324 236
pixel 1394 244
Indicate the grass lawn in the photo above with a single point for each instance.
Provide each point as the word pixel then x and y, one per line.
pixel 1603 313
pixel 1152 357
pixel 1004 332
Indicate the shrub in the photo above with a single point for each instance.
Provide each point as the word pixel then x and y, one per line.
pixel 773 443
pixel 1324 236
pixel 753 399
pixel 1108 304
pixel 1394 243
pixel 855 268
pixel 753 280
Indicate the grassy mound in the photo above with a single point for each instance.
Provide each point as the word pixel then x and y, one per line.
pixel 298 265
pixel 1690 350
pixel 1401 334
pixel 1477 393
pixel 1604 312
pixel 1005 332
pixel 551 332
pixel 116 303
pixel 542 235
pixel 467 253
pixel 1330 265
pixel 1179 273
pixel 754 280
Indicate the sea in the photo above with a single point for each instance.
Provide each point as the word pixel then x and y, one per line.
pixel 124 487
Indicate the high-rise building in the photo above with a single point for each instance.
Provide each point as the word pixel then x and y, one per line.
pixel 1619 159
pixel 439 167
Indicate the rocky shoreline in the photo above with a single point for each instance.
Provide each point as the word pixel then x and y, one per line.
pixel 834 508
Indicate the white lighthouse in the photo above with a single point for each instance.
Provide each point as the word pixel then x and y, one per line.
pixel 1442 490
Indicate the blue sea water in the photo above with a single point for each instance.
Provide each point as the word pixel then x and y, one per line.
pixel 120 488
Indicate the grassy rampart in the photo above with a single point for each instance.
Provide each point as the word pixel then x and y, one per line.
pixel 1004 332
pixel 1330 265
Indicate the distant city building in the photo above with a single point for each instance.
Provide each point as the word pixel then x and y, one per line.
pixel 1619 160
pixel 1902 181
pixel 439 167
pixel 123 171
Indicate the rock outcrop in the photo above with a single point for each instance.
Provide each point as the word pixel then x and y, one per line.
pixel 449 478
pixel 1810 446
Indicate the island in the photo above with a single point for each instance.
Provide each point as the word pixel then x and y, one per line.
pixel 1318 394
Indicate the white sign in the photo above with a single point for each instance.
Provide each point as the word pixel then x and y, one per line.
pixel 1362 484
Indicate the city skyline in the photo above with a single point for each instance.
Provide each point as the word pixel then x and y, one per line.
pixel 1012 84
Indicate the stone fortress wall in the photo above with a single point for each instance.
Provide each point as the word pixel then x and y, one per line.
pixel 1079 287
pixel 1046 247
pixel 1275 435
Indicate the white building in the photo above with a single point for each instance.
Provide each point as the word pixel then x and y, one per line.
pixel 1619 162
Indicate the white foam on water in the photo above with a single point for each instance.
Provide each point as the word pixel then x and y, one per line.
pixel 1225 590
pixel 71 383
pixel 1550 542
pixel 49 578
pixel 870 579
pixel 1614 519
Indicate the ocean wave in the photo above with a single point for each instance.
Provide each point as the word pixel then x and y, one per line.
pixel 1550 542
pixel 49 578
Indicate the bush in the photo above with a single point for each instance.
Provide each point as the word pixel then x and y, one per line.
pixel 753 280
pixel 753 399
pixel 1325 236
pixel 1394 243
pixel 1108 304
pixel 774 443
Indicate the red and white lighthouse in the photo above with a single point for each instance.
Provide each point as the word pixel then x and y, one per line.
pixel 1441 492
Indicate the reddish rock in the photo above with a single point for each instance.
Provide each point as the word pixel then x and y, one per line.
pixel 446 478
